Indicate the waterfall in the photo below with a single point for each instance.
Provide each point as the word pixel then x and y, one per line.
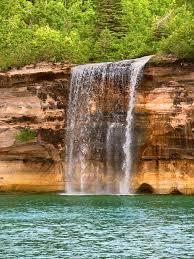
pixel 91 124
pixel 136 69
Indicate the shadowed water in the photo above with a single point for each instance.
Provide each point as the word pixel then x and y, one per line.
pixel 54 226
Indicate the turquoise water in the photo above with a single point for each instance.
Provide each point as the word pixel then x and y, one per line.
pixel 54 226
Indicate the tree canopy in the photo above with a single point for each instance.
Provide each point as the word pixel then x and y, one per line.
pixel 83 31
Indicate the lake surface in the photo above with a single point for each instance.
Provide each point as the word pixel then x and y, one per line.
pixel 56 226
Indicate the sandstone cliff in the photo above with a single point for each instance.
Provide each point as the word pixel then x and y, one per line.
pixel 37 97
pixel 165 122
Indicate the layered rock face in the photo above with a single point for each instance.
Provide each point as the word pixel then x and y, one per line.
pixel 163 148
pixel 34 97
pixel 164 129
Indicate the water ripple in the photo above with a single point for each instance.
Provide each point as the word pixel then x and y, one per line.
pixel 53 226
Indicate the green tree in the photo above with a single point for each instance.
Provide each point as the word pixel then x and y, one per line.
pixel 178 36
pixel 107 46
pixel 110 16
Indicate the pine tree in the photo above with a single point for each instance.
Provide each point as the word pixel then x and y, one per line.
pixel 110 16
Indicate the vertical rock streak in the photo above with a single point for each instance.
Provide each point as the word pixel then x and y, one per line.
pixel 85 121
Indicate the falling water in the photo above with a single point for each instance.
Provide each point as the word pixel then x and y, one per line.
pixel 114 152
pixel 136 69
pixel 89 127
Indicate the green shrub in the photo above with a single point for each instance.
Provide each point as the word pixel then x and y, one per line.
pixel 25 135
pixel 179 34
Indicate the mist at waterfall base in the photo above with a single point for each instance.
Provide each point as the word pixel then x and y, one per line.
pixel 136 227
pixel 100 127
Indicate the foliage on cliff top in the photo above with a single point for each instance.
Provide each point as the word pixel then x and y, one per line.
pixel 25 135
pixel 93 31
